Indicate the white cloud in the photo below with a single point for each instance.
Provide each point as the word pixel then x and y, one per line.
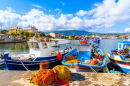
pixel 63 3
pixel 10 9
pixel 106 14
pixel 8 17
pixel 38 6
pixel 81 13
pixel 127 29
pixel 23 11
pixel 59 11
pixel 109 13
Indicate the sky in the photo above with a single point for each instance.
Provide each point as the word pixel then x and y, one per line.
pixel 104 16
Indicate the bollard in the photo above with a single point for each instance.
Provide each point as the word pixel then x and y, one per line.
pixel 44 65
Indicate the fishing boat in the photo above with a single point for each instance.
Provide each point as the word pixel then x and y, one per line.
pixel 96 40
pixel 83 57
pixel 58 42
pixel 120 57
pixel 38 52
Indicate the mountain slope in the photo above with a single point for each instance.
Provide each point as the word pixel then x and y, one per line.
pixel 83 32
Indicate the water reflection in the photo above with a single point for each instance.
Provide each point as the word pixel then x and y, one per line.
pixel 15 48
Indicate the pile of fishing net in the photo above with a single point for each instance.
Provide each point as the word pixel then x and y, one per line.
pixel 63 73
pixel 71 59
pixel 43 77
pixel 59 74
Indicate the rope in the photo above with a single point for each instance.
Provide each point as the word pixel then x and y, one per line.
pixel 91 68
pixel 23 64
pixel 128 72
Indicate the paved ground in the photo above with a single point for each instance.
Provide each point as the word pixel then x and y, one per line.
pixel 20 78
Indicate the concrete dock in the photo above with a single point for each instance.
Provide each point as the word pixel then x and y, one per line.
pixel 20 78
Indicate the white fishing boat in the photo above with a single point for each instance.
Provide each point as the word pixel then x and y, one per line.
pixel 121 57
pixel 38 52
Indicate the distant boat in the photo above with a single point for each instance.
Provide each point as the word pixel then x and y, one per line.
pixel 84 55
pixel 58 42
pixel 96 40
pixel 38 52
pixel 121 56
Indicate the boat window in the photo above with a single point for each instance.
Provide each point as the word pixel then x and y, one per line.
pixel 33 45
pixel 44 45
pixel 120 45
pixel 29 44
pixel 127 46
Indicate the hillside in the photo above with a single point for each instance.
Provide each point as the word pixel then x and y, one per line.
pixel 83 32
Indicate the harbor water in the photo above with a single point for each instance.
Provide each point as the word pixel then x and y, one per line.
pixel 22 48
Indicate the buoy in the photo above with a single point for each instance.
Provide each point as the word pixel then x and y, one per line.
pixel 100 56
pixel 74 55
pixel 95 57
pixel 94 62
pixel 59 57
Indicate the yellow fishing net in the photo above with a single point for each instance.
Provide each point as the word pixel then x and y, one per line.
pixel 43 77
pixel 72 61
pixel 63 73
pixel 96 54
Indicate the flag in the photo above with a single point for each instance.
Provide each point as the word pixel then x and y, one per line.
pixel 84 38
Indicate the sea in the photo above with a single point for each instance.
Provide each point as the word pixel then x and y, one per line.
pixel 22 48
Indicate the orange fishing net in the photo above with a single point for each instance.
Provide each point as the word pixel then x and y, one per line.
pixel 43 77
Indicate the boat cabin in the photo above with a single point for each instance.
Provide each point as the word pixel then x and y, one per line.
pixel 39 49
pixel 84 50
pixel 124 44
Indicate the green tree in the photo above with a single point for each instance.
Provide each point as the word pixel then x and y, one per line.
pixel 77 38
pixel 21 33
pixel 118 35
pixel 13 34
pixel 66 37
pixel 62 37
pixel 49 36
pixel 41 35
pixel 72 36
pixel 4 31
pixel 26 33
pixel 31 34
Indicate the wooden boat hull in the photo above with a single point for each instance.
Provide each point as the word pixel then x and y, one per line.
pixel 30 65
pixel 82 69
pixel 122 65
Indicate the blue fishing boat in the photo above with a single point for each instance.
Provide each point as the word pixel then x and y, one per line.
pixel 121 57
pixel 38 52
pixel 96 40
pixel 83 55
